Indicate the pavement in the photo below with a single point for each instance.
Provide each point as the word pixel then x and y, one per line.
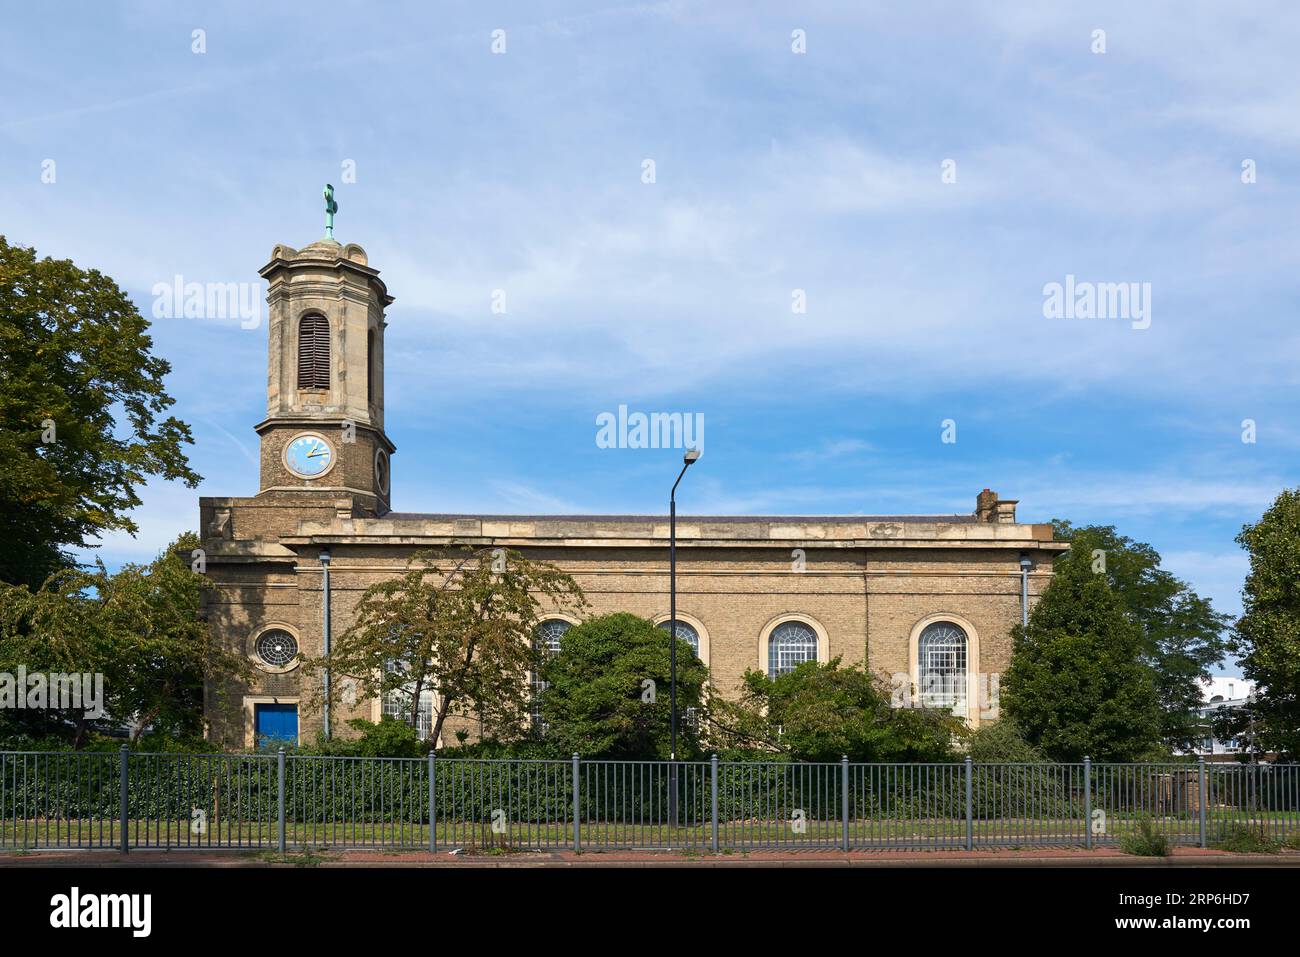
pixel 992 857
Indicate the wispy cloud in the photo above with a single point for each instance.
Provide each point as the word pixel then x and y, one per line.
pixel 776 172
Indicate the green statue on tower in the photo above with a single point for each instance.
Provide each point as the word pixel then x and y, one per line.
pixel 331 207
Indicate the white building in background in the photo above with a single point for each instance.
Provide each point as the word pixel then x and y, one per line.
pixel 1218 693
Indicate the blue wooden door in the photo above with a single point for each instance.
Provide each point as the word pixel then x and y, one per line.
pixel 276 722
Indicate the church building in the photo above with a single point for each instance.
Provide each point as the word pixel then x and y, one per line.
pixel 925 600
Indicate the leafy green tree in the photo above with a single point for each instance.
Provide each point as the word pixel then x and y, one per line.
pixel 1267 636
pixel 1077 683
pixel 1003 742
pixel 820 712
pixel 81 398
pixel 165 648
pixel 53 629
pixel 139 627
pixel 608 694
pixel 1183 637
pixel 458 625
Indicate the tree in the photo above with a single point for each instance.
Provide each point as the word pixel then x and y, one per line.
pixel 165 649
pixel 1002 742
pixel 459 626
pixel 820 712
pixel 1077 684
pixel 1267 636
pixel 607 691
pixel 1183 637
pixel 139 628
pixel 74 354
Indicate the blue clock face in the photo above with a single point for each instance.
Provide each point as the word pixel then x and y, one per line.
pixel 309 455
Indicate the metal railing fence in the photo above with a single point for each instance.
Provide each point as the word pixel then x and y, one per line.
pixel 277 801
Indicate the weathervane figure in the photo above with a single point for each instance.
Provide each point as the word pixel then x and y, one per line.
pixel 331 207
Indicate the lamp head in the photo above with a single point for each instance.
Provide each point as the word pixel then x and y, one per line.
pixel 692 456
pixel 1026 562
pixel 325 556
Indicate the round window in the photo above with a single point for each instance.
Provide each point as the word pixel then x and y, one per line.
pixel 276 647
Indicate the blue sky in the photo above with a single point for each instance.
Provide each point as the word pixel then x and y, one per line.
pixel 775 171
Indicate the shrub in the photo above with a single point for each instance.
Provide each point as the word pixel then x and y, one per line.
pixel 492 748
pixel 819 712
pixel 389 738
pixel 1002 742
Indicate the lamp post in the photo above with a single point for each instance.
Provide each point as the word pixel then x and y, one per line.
pixel 690 458
pixel 1251 698
pixel 325 633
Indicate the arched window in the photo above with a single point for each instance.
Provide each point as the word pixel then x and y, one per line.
pixel 313 352
pixel 396 703
pixel 941 667
pixel 546 639
pixel 547 634
pixel 686 633
pixel 790 645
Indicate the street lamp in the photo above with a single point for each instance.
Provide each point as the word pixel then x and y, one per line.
pixel 1251 698
pixel 325 632
pixel 690 458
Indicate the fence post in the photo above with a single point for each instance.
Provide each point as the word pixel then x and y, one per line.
pixel 970 806
pixel 1201 797
pixel 1087 802
pixel 433 814
pixel 123 794
pixel 714 771
pixel 844 802
pixel 577 839
pixel 279 791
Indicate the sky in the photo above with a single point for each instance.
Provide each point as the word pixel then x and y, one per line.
pixel 919 174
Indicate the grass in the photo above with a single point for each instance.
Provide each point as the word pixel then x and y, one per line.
pixel 1246 839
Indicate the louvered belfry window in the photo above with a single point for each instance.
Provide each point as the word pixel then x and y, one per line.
pixel 313 352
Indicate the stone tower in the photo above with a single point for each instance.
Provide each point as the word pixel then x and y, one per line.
pixel 324 425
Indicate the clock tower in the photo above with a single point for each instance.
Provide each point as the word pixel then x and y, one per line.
pixel 324 425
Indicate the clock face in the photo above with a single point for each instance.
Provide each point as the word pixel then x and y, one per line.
pixel 381 471
pixel 309 455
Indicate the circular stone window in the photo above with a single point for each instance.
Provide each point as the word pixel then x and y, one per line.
pixel 277 648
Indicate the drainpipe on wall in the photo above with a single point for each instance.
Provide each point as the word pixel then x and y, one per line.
pixel 1026 563
pixel 325 629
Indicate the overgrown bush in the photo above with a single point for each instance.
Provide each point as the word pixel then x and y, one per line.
pixel 1146 841
pixel 1002 742
pixel 153 743
pixel 1021 778
pixel 389 738
pixel 818 712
